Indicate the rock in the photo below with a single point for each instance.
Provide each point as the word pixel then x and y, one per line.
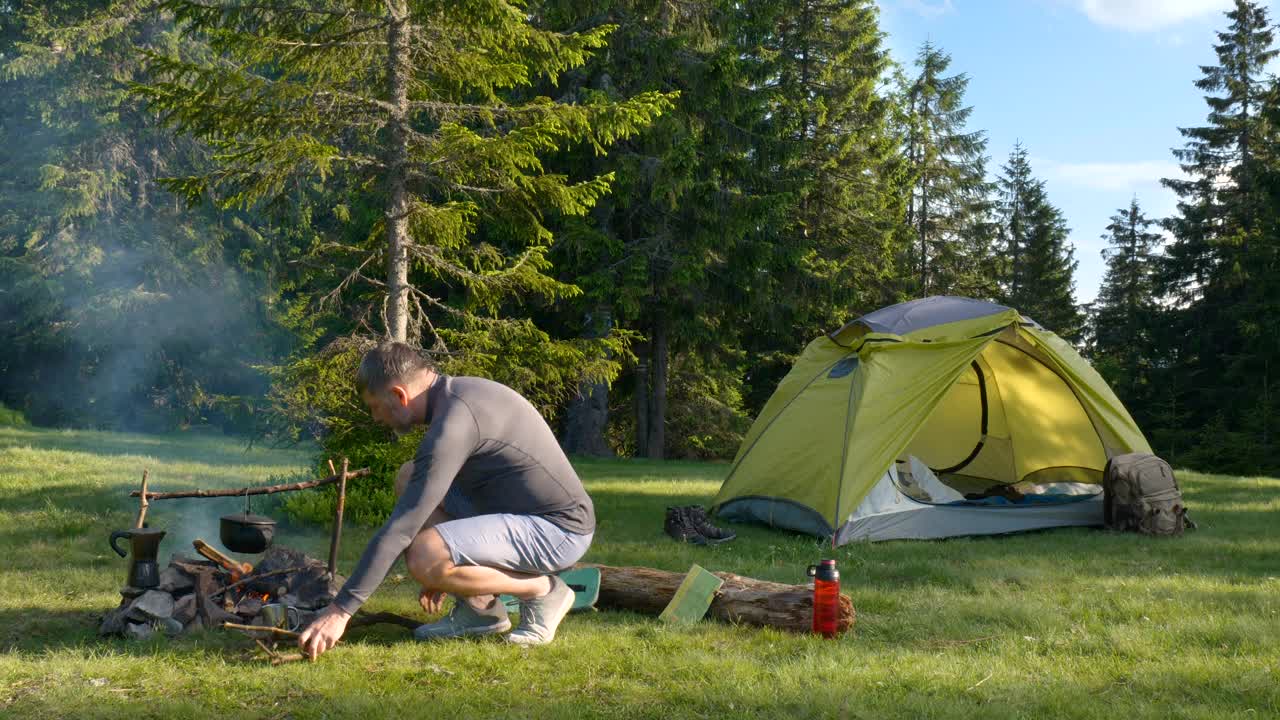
pixel 141 631
pixel 113 622
pixel 175 581
pixel 130 592
pixel 169 626
pixel 154 604
pixel 249 607
pixel 217 616
pixel 184 609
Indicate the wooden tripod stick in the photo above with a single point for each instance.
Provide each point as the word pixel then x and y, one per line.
pixel 143 505
pixel 337 520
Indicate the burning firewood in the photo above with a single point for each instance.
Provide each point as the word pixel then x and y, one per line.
pixel 237 569
pixel 254 578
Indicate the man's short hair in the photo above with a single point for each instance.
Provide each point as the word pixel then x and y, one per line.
pixel 388 364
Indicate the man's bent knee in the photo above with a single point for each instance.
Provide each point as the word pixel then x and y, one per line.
pixel 428 558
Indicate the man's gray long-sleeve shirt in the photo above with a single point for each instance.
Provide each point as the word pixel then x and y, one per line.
pixel 491 443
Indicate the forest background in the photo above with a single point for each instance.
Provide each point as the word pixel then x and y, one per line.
pixel 636 213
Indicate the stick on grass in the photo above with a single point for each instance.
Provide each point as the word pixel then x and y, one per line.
pixel 262 628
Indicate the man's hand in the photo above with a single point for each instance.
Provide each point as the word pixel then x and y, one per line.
pixel 431 601
pixel 323 632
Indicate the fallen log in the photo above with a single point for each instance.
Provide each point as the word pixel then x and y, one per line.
pixel 260 490
pixel 739 600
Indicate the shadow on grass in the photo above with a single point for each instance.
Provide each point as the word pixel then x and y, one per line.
pixel 36 630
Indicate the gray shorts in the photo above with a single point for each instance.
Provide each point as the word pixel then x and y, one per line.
pixel 520 543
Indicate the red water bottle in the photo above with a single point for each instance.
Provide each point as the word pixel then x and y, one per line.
pixel 826 598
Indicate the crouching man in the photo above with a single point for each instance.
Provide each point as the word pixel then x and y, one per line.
pixel 489 505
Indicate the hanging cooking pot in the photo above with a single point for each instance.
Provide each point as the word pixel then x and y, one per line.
pixel 245 532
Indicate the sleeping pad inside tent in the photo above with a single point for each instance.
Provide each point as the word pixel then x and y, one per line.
pixel 933 418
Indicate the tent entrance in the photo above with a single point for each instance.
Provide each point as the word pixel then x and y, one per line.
pixel 1008 419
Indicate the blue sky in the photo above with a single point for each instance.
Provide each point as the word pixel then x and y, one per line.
pixel 1095 89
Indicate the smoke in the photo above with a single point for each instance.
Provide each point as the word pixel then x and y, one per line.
pixel 153 338
pixel 189 519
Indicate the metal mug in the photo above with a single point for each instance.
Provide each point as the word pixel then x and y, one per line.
pixel 281 616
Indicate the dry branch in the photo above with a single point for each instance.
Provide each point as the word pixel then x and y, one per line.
pixel 287 658
pixel 337 520
pixel 252 578
pixel 261 628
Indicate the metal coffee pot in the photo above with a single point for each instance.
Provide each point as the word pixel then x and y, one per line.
pixel 144 545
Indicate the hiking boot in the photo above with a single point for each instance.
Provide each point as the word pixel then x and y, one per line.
pixel 465 621
pixel 540 616
pixel 697 516
pixel 679 527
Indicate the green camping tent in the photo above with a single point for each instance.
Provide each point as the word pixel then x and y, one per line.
pixel 978 393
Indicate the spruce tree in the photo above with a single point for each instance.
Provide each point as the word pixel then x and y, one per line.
pixel 416 109
pixel 825 144
pixel 1220 276
pixel 948 211
pixel 1038 261
pixel 1124 312
pixel 657 256
pixel 845 171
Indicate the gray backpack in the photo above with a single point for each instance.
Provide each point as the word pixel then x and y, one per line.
pixel 1141 495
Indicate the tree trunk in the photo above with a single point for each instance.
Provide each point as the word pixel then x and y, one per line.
pixel 398 69
pixel 587 416
pixel 924 239
pixel 658 407
pixel 642 400
pixel 739 600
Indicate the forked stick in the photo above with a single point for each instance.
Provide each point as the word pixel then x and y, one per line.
pixel 142 506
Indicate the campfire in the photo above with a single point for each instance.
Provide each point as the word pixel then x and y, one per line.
pixel 205 592
pixel 214 590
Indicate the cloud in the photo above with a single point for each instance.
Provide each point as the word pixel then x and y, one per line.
pixel 1147 15
pixel 1114 177
pixel 928 8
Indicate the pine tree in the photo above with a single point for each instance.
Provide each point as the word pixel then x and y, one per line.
pixel 1125 310
pixel 415 108
pixel 1220 274
pixel 1039 263
pixel 948 210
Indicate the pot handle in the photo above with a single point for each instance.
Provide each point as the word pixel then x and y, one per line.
pixel 116 536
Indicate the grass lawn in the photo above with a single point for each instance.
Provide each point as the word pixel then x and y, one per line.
pixel 1069 623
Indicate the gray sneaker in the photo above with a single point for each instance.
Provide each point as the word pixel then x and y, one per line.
pixel 540 617
pixel 465 621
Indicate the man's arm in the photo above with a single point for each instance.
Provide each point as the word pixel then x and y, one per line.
pixel 444 449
